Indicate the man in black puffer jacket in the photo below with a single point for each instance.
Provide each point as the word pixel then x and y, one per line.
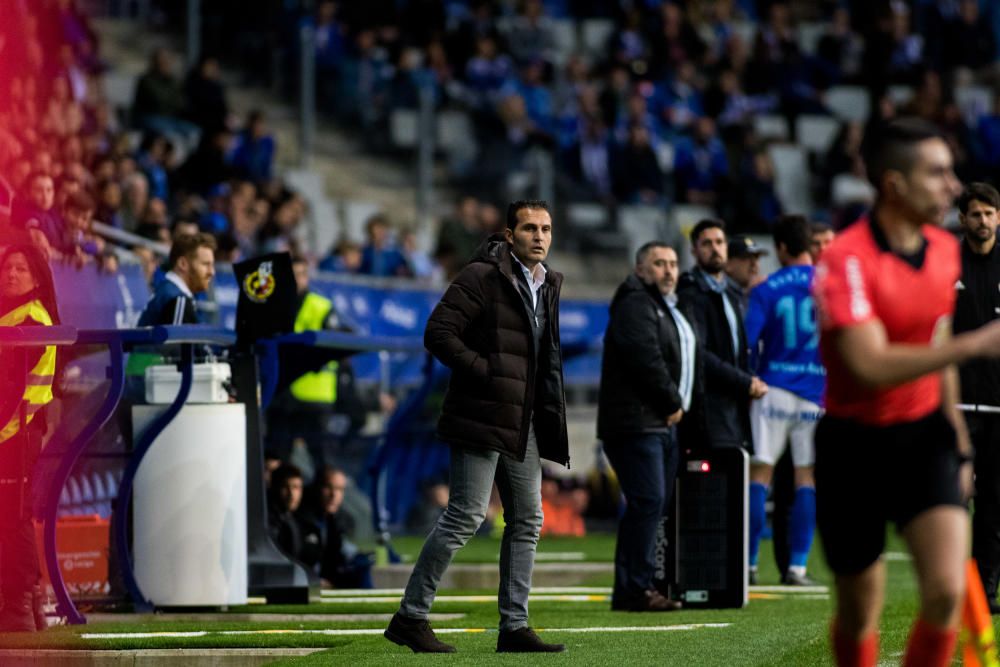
pixel 497 329
pixel 649 377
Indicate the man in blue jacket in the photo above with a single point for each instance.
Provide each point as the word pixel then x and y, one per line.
pixel 192 267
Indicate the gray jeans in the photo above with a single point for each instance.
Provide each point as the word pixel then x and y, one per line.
pixel 472 475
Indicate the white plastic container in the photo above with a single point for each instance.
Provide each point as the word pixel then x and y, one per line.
pixel 207 385
pixel 189 513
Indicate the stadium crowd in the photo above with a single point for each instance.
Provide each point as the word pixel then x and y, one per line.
pixel 641 102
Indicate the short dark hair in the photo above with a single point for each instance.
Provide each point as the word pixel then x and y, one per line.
pixel 283 473
pixel 818 227
pixel 703 226
pixel 641 253
pixel 981 192
pixel 794 232
pixel 186 245
pixel 891 147
pixel 514 207
pixel 79 201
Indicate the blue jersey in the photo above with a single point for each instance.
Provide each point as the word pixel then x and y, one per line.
pixel 782 334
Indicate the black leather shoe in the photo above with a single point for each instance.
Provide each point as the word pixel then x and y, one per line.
pixel 994 608
pixel 524 640
pixel 17 614
pixel 651 600
pixel 415 634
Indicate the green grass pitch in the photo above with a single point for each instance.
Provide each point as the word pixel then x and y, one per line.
pixel 785 630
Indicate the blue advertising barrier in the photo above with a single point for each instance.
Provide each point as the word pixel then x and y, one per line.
pixel 377 307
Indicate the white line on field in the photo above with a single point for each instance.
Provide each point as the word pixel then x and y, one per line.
pixel 390 592
pixel 791 590
pixel 347 632
pixel 471 598
pixel 897 556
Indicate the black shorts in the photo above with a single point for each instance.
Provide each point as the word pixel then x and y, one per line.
pixel 869 475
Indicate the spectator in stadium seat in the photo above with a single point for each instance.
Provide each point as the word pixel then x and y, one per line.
pixel 715 316
pixel 253 151
pixel 192 267
pixel 700 164
pixel 209 164
pixel 459 236
pixel 295 537
pixel 530 36
pixel 638 178
pixel 152 160
pixel 487 72
pixel 344 257
pixel 36 210
pixel 379 257
pixel 649 378
pixel 682 98
pixel 674 41
pixel 497 322
pixel 840 49
pixel 135 191
pixel 205 96
pixel 756 200
pixel 341 564
pixel 420 263
pixel 743 269
pixel 976 304
pixel 968 40
pixel 159 100
pixel 587 165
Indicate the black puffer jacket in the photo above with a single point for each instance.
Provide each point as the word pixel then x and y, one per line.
pixel 724 414
pixel 641 365
pixel 481 331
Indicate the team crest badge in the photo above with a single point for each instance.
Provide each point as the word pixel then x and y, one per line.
pixel 259 285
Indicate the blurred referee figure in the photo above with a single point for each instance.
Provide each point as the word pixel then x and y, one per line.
pixel 978 302
pixel 892 445
pixel 648 380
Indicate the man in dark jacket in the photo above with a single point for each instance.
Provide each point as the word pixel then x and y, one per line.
pixel 648 379
pixel 723 418
pixel 192 268
pixel 978 302
pixel 497 329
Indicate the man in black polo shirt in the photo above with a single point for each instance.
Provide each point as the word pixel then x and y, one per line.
pixel 978 302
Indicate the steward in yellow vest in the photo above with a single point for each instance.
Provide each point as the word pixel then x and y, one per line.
pixel 321 386
pixel 27 298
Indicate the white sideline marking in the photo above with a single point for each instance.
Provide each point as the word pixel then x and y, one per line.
pixel 900 556
pixel 473 598
pixel 391 592
pixel 348 632
pixel 791 590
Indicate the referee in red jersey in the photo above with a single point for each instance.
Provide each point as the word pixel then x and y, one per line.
pixel 892 445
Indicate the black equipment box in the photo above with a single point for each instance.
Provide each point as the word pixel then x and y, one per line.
pixel 701 547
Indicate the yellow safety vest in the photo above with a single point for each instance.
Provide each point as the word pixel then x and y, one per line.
pixel 321 386
pixel 38 390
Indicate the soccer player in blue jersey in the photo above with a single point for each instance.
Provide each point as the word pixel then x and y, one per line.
pixel 781 331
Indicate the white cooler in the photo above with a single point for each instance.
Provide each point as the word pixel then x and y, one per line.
pixel 207 383
pixel 189 506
